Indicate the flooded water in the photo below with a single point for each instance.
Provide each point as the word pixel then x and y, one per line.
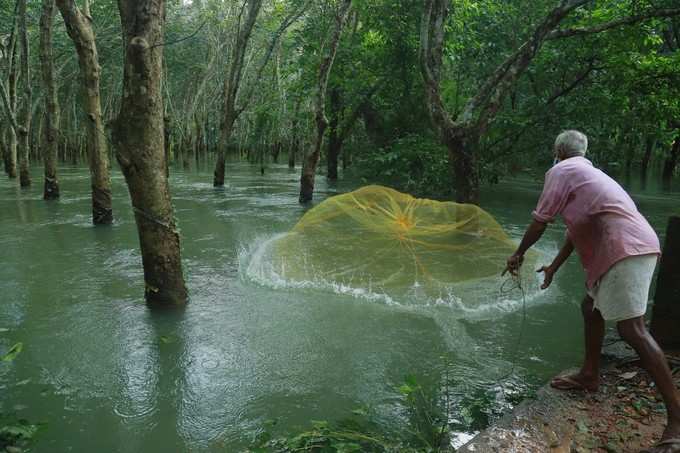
pixel 104 373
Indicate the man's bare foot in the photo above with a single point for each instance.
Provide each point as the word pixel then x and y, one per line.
pixel 671 445
pixel 670 439
pixel 576 381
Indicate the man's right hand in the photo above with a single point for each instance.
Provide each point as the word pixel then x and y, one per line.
pixel 513 264
pixel 548 272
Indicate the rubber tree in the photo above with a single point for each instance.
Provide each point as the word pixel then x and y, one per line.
pixel 232 82
pixel 138 135
pixel 24 112
pixel 51 115
pixel 79 28
pixel 9 57
pixel 311 160
pixel 461 133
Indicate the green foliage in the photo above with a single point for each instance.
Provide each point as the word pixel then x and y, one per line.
pixel 427 432
pixel 414 164
pixel 17 433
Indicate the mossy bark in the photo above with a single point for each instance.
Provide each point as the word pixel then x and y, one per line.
pixel 24 116
pixel 79 28
pixel 11 137
pixel 138 134
pixel 51 126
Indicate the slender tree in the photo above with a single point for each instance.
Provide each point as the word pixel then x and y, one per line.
pixel 311 161
pixel 232 83
pixel 24 115
pixel 10 100
pixel 79 28
pixel 138 134
pixel 51 126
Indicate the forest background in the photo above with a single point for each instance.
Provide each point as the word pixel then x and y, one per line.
pixel 620 86
pixel 433 97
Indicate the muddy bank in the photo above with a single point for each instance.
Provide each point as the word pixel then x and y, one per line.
pixel 625 415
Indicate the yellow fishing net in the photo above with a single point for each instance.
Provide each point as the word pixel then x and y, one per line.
pixel 377 240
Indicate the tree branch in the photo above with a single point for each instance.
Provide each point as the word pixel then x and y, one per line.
pixel 287 22
pixel 583 75
pixel 488 100
pixel 567 32
pixel 431 48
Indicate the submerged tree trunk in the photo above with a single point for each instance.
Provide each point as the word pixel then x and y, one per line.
pixel 463 163
pixel 24 117
pixel 51 129
pixel 311 161
pixel 139 139
pixel 225 135
pixel 79 28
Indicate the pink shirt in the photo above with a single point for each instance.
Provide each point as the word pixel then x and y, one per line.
pixel 602 221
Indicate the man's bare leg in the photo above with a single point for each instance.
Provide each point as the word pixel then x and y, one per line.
pixel 588 378
pixel 635 333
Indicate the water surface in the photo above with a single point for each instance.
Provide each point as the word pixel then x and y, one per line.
pixel 106 374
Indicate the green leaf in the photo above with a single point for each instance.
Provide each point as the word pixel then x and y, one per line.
pixel 13 352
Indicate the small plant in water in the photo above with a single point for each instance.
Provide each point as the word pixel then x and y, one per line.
pixel 15 434
pixel 427 431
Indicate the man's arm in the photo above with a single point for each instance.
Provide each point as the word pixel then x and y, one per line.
pixel 531 236
pixel 549 271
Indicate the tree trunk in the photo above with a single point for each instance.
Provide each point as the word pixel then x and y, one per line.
pixel 276 151
pixel 79 29
pixel 231 88
pixel 346 158
pixel 670 164
pixel 138 137
pixel 295 142
pixel 24 117
pixel 334 141
pixel 11 151
pixel 312 160
pixel 225 135
pixel 646 158
pixel 51 127
pixel 463 164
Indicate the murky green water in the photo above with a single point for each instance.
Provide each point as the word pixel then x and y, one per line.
pixel 106 374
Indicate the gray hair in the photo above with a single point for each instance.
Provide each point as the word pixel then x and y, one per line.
pixel 571 144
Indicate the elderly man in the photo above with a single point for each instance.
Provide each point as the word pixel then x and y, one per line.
pixel 619 251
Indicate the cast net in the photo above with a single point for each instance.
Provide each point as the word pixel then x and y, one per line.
pixel 377 240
